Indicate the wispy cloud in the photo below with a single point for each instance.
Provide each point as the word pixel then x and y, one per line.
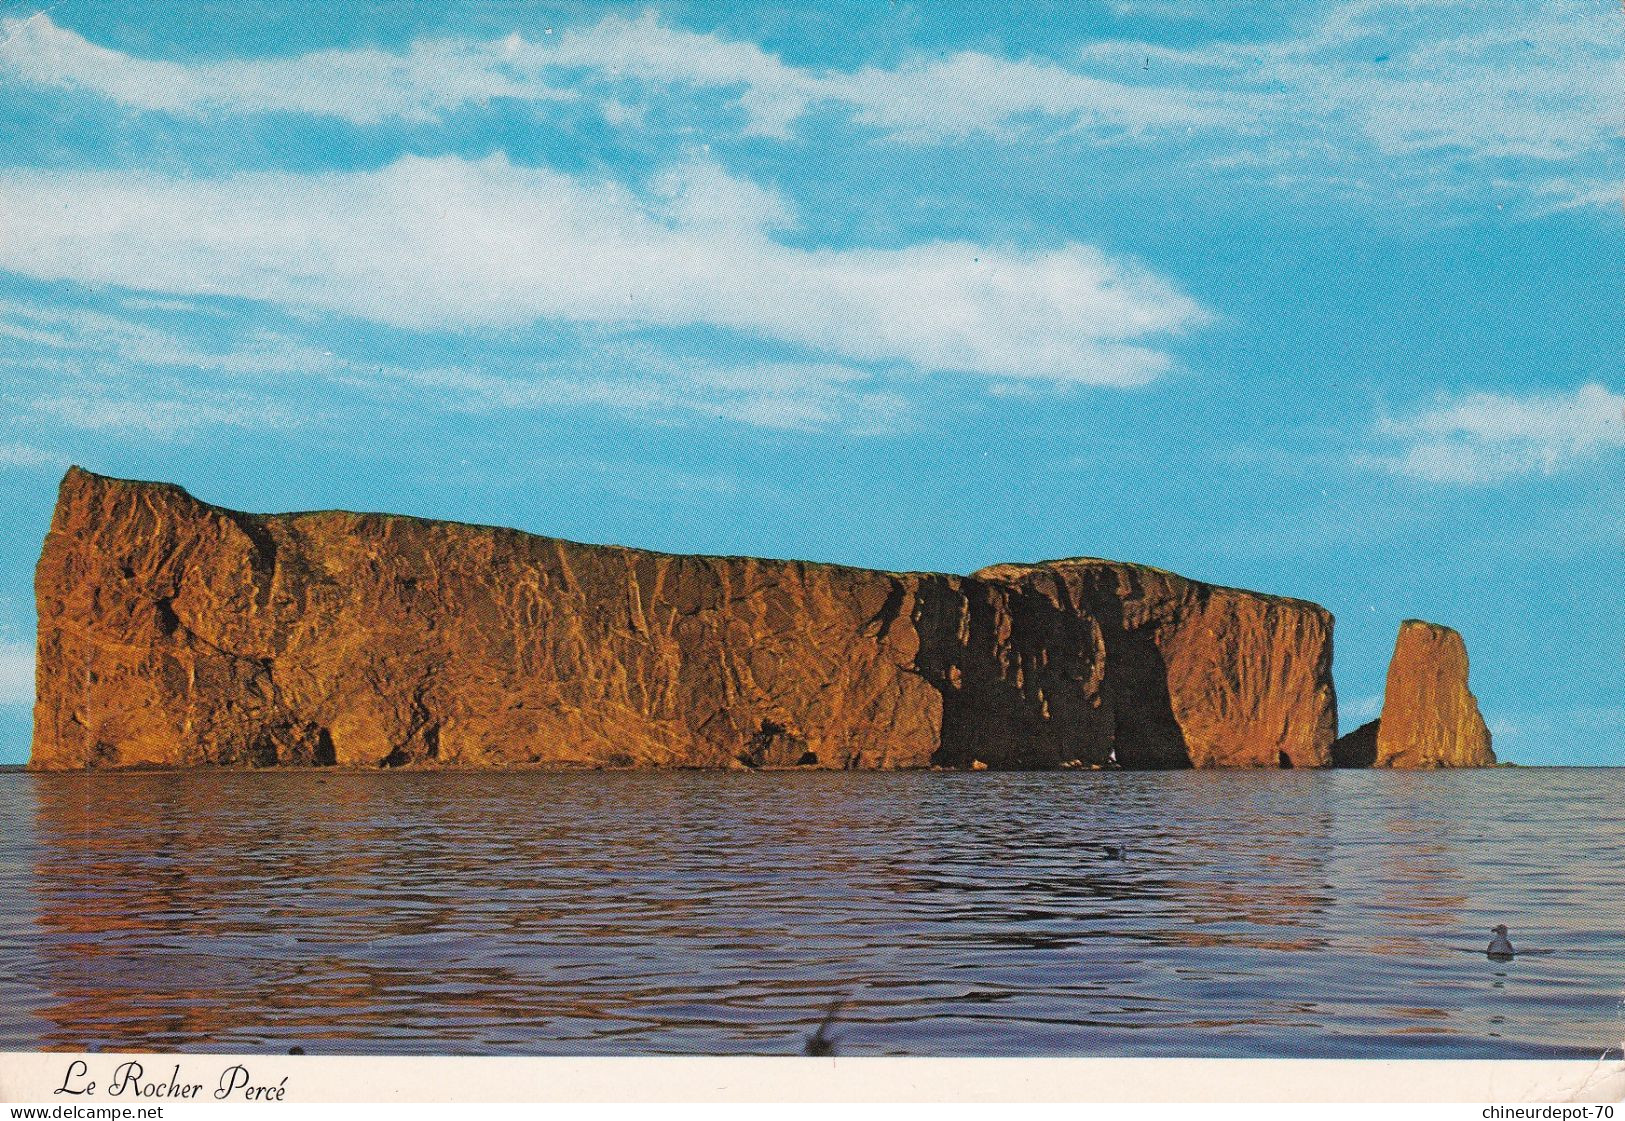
pixel 117 374
pixel 1358 710
pixel 652 53
pixel 1487 437
pixel 923 99
pixel 1396 78
pixel 644 382
pixel 16 673
pixel 364 86
pixel 448 243
pixel 1366 79
pixel 27 455
pixel 130 342
pixel 172 413
pixel 92 371
pixel 1564 193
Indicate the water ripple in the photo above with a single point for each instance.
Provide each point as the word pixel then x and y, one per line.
pixel 1337 914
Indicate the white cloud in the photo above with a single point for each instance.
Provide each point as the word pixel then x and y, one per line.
pixel 700 195
pixel 112 374
pixel 1564 193
pixel 84 332
pixel 650 52
pixel 1487 437
pixel 26 455
pixel 922 98
pixel 1395 78
pixel 361 85
pixel 124 376
pixel 16 673
pixel 447 243
pixel 641 381
pixel 1368 79
pixel 971 92
pixel 175 414
pixel 1360 709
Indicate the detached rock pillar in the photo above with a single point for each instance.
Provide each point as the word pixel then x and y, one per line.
pixel 1429 716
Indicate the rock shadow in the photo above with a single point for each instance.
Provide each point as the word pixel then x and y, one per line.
pixel 1030 681
pixel 1358 748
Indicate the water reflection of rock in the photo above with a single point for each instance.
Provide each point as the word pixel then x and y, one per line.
pixel 173 917
pixel 21 960
pixel 1024 903
pixel 111 895
pixel 967 914
pixel 1281 904
pixel 1398 835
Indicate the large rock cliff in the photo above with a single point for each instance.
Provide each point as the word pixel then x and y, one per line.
pixel 1429 717
pixel 172 632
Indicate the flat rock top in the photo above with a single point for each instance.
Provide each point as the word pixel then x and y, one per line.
pixel 1012 572
pixel 1004 572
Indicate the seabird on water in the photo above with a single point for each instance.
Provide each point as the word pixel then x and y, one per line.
pixel 1500 947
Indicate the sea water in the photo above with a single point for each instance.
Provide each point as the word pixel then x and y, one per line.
pixel 1258 913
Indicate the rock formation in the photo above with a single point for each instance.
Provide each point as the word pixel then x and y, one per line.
pixel 1358 748
pixel 1429 718
pixel 175 633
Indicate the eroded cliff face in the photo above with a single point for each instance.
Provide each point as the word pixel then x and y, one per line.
pixel 1074 659
pixel 1429 717
pixel 172 632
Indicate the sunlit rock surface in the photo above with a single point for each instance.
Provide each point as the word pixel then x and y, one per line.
pixel 1429 717
pixel 175 633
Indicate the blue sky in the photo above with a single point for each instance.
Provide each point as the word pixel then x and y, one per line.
pixel 1321 299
